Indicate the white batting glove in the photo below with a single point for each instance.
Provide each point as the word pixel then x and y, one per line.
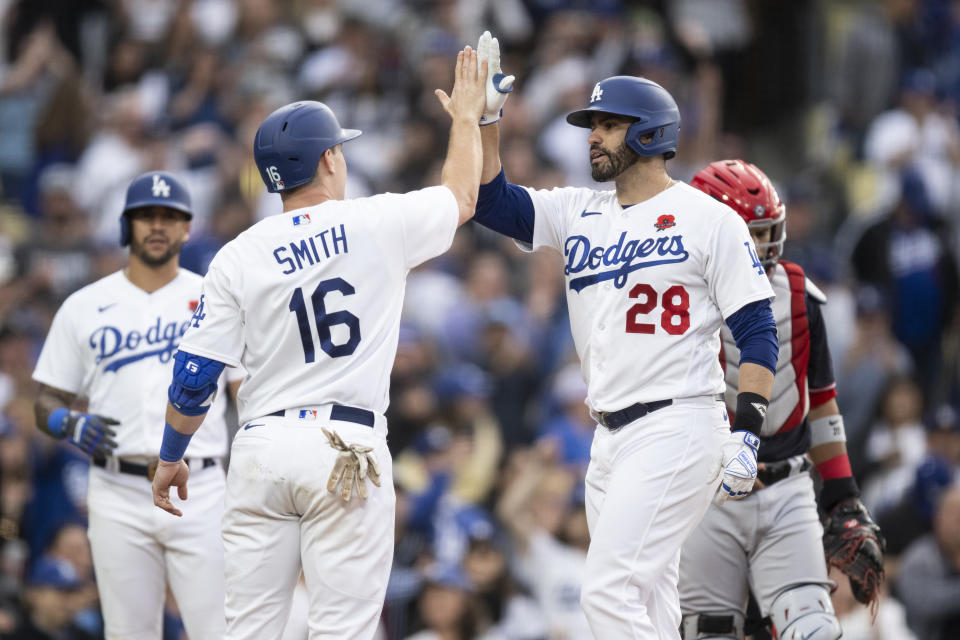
pixel 739 460
pixel 499 86
pixel 355 463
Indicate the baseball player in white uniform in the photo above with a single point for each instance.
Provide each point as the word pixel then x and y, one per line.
pixel 652 270
pixel 770 542
pixel 309 303
pixel 112 342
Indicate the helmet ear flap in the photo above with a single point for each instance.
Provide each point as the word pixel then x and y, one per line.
pixel 124 230
pixel 634 133
pixel 659 144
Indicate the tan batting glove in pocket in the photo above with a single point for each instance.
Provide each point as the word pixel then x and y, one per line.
pixel 355 463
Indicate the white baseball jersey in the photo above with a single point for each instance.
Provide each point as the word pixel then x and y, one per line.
pixel 554 572
pixel 648 287
pixel 113 343
pixel 309 301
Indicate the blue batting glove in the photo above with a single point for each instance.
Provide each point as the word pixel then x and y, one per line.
pixel 88 432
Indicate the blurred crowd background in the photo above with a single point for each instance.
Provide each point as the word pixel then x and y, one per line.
pixel 850 106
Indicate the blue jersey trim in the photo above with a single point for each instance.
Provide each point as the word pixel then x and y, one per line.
pixel 755 332
pixel 505 208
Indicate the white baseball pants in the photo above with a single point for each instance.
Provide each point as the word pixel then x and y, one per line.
pixel 138 548
pixel 280 517
pixel 647 487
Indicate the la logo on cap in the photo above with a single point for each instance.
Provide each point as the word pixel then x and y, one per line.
pixel 160 187
pixel 597 94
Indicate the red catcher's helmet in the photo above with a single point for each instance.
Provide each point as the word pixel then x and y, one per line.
pixel 749 192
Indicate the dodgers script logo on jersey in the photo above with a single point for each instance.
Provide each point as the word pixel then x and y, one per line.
pixel 625 256
pixel 108 342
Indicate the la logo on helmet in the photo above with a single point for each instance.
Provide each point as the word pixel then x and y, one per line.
pixel 597 93
pixel 160 187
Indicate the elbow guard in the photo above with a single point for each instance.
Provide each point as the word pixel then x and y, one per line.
pixel 194 385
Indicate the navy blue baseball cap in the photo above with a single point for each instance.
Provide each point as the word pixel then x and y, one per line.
pixel 51 571
pixel 436 437
pixel 944 418
pixel 919 81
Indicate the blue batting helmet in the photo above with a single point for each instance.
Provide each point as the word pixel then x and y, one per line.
pixel 654 108
pixel 153 189
pixel 291 141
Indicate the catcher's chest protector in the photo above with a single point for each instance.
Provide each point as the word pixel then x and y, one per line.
pixel 789 400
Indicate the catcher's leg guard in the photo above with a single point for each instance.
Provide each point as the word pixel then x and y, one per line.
pixel 805 613
pixel 712 626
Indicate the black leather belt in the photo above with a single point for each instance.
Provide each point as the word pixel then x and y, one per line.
pixel 781 470
pixel 337 412
pixel 615 420
pixel 145 470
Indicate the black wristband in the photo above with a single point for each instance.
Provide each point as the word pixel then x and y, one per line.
pixel 751 410
pixel 836 489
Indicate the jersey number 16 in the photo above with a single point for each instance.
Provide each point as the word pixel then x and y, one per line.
pixel 325 320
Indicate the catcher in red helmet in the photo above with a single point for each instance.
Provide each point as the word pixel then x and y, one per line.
pixel 770 542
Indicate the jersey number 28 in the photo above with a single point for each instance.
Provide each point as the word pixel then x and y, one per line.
pixel 325 320
pixel 675 318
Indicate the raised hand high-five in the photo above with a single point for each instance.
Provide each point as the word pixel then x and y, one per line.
pixel 498 86
pixel 468 97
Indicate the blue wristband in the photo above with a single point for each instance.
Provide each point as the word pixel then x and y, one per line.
pixel 174 444
pixel 55 422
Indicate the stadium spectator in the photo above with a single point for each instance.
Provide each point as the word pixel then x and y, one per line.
pixel 929 580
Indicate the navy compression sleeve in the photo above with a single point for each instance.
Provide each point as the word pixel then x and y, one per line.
pixel 755 333
pixel 505 208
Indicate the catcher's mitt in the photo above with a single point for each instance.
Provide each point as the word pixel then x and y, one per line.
pixel 852 542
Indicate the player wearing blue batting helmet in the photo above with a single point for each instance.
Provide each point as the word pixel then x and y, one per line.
pixel 153 189
pixel 654 109
pixel 291 141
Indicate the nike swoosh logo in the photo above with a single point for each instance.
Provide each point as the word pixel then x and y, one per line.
pixel 251 426
pixel 586 213
pixel 105 307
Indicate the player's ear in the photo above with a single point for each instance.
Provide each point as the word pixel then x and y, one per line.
pixel 328 160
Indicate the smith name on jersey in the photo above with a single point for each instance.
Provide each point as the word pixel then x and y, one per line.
pixel 291 299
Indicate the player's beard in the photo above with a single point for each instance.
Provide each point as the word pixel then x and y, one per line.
pixel 618 162
pixel 140 250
